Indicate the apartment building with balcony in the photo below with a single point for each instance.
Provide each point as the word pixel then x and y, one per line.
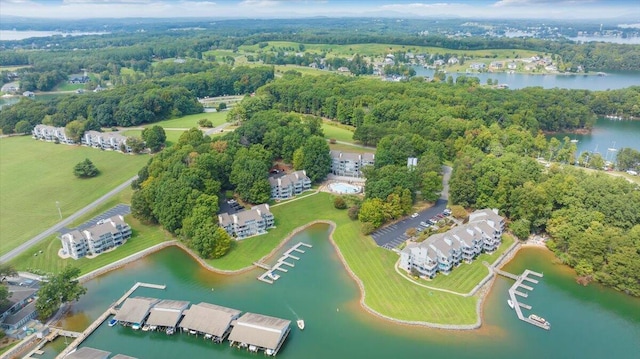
pixel 247 223
pixel 104 235
pixel 350 164
pixel 289 185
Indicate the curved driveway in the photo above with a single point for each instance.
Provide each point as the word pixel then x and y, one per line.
pixel 53 229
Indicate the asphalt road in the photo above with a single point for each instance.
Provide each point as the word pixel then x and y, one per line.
pixel 53 229
pixel 391 236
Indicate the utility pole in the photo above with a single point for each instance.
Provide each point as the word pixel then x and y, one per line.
pixel 59 211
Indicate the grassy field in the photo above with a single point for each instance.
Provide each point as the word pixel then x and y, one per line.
pixel 49 262
pixel 387 291
pixel 34 175
pixel 172 135
pixel 341 133
pixel 378 50
pixel 66 86
pixel 304 70
pixel 188 121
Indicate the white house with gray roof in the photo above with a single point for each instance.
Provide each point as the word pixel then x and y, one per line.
pixel 441 252
pixel 350 164
pixel 106 234
pixel 289 185
pixel 247 223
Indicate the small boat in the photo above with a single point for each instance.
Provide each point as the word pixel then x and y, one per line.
pixel 253 348
pixel 269 352
pixel 113 322
pixel 152 327
pixel 510 303
pixel 300 323
pixel 145 328
pixel 208 336
pixel 574 141
pixel 538 319
pixel 135 326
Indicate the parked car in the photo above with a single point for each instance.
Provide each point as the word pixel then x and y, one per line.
pixel 433 221
pixel 415 215
pixel 425 224
pixel 446 212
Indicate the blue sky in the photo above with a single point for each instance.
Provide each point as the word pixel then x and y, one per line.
pixel 501 9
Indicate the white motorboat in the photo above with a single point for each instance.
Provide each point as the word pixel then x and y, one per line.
pixel 300 323
pixel 510 303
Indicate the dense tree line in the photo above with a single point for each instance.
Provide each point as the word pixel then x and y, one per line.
pixel 593 219
pixel 180 186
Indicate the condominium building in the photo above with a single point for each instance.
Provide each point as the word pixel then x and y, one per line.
pixel 51 133
pixel 102 140
pixel 440 253
pixel 104 235
pixel 247 223
pixel 350 164
pixel 289 185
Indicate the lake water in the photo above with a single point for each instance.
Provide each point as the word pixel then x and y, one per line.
pixel 580 81
pixel 607 134
pixel 10 35
pixel 587 322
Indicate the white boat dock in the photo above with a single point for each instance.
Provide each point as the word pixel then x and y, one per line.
pixel 269 276
pixel 514 294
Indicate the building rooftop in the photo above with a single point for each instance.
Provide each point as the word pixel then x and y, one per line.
pixel 122 356
pixel 88 353
pixel 209 318
pixel 167 313
pixel 21 314
pixel 259 330
pixel 134 310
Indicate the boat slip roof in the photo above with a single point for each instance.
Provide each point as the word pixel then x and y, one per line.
pixel 88 353
pixel 209 318
pixel 135 309
pixel 167 313
pixel 259 330
pixel 122 356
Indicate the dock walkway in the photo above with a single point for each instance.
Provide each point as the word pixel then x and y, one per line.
pixel 96 323
pixel 514 294
pixel 269 276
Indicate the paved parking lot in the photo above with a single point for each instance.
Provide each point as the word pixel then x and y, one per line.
pixel 393 235
pixel 121 209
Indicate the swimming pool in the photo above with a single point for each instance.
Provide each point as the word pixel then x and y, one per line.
pixel 340 187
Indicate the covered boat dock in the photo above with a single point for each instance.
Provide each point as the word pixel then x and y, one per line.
pixel 88 353
pixel 260 332
pixel 212 321
pixel 122 356
pixel 166 314
pixel 135 310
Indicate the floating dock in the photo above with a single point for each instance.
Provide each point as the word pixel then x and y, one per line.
pixel 514 294
pixel 269 276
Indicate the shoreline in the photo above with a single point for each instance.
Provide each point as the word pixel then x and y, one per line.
pixel 482 291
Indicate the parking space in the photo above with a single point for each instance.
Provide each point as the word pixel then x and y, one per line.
pixel 121 210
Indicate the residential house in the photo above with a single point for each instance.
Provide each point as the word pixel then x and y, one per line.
pixel 438 63
pixel 28 94
pixel 350 164
pixel 453 61
pixel 19 310
pixel 477 66
pixel 79 78
pixel 512 65
pixel 496 65
pixel 344 70
pixel 289 185
pixel 247 223
pixel 106 234
pixel 442 252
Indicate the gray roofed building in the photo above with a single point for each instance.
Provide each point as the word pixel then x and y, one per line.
pixel 122 356
pixel 209 319
pixel 19 309
pixel 88 353
pixel 261 331
pixel 247 223
pixel 167 313
pixel 350 164
pixel 135 310
pixel 289 185
pixel 106 234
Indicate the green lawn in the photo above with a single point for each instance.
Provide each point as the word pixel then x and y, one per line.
pixel 66 86
pixel 386 291
pixel 340 133
pixel 49 262
pixel 172 135
pixel 304 70
pixel 34 175
pixel 188 121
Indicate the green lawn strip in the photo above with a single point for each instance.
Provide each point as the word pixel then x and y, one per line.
pixel 6 348
pixel 337 133
pixel 66 86
pixel 304 70
pixel 48 261
pixel 188 121
pixel 36 174
pixel 351 148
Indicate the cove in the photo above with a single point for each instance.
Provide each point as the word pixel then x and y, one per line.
pixel 605 135
pixel 587 322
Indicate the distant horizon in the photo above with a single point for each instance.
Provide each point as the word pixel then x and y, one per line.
pixel 566 10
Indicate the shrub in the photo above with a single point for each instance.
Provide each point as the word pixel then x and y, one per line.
pixel 458 212
pixel 367 228
pixel 332 141
pixel 353 212
pixel 205 123
pixel 221 106
pixel 339 203
pixel 85 169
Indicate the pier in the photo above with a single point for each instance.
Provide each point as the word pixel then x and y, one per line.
pixel 109 312
pixel 269 276
pixel 515 294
